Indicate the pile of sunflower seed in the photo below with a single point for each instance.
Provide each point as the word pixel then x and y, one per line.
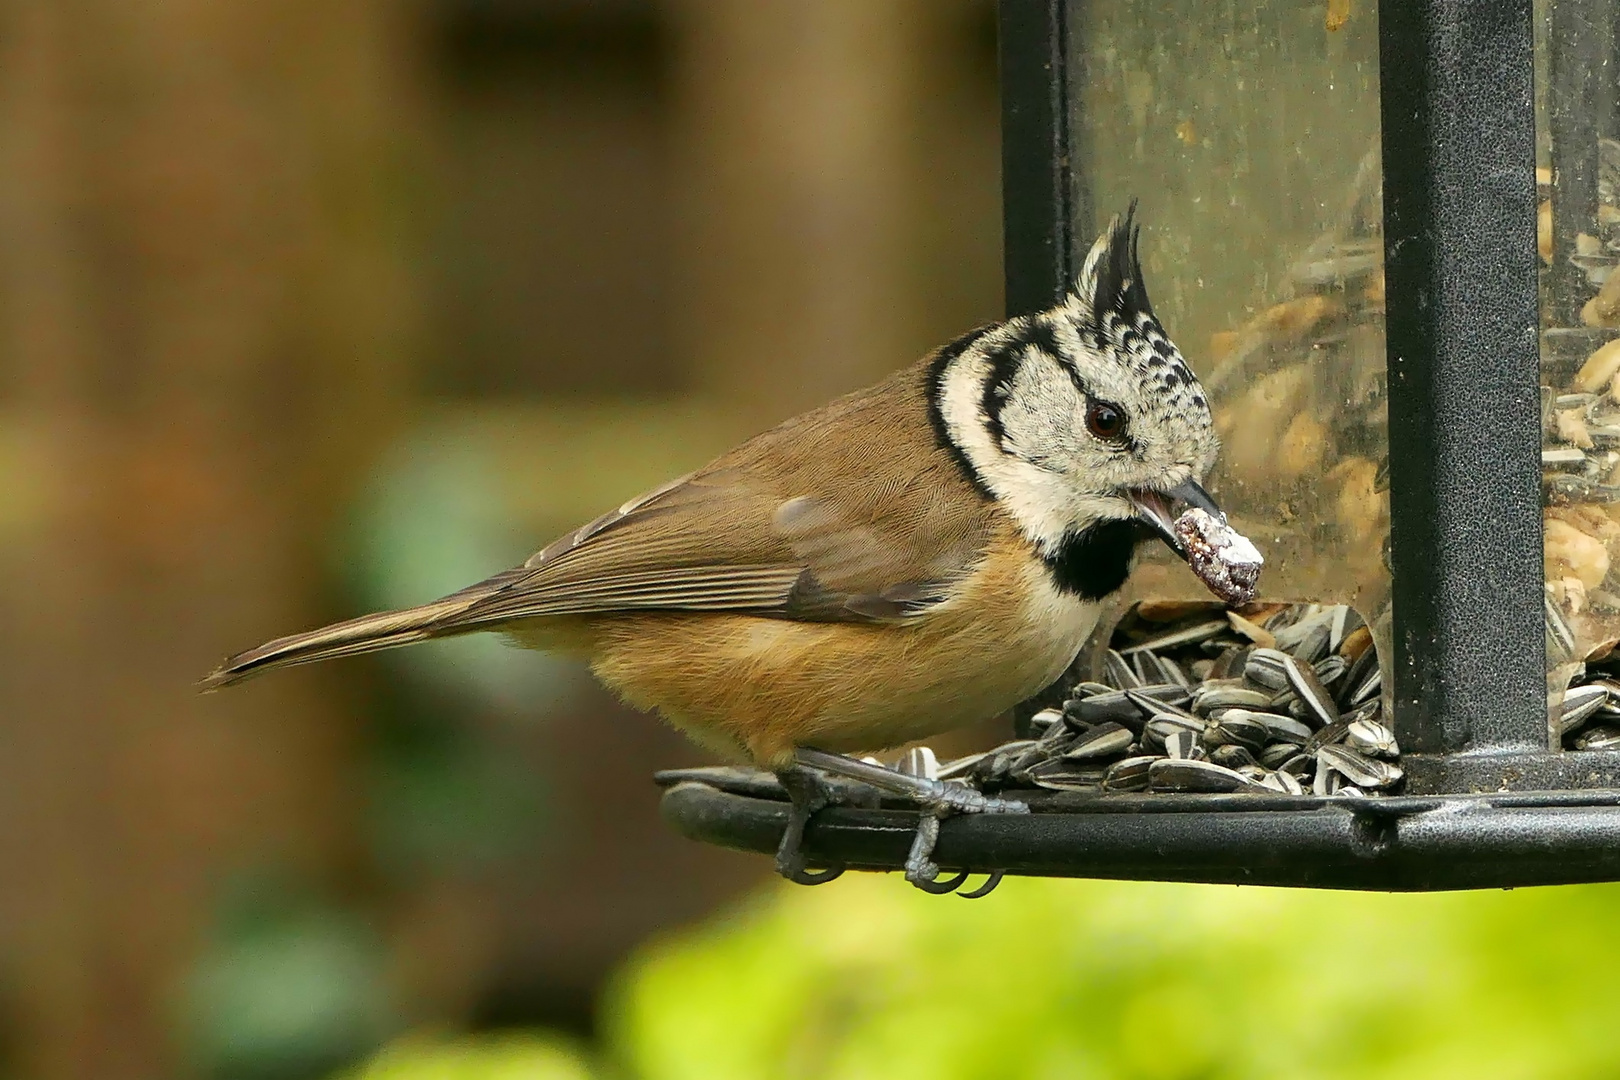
pixel 1587 715
pixel 1195 698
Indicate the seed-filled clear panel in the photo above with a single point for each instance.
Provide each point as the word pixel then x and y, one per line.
pixel 1248 131
pixel 1578 180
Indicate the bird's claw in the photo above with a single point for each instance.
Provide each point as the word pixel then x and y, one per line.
pixel 923 872
pixel 938 887
pixel 984 890
pixel 808 792
pixel 803 875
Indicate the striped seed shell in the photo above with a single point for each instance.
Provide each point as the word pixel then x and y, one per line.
pixel 1303 681
pixel 1358 768
pixel 1169 774
pixel 1131 774
pixel 1104 740
pixel 1371 738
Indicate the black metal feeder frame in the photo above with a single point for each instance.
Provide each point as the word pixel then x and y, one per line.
pixel 1475 334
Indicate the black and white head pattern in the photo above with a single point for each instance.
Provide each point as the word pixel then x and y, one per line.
pixel 1059 415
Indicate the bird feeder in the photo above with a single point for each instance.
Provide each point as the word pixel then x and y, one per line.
pixel 1386 238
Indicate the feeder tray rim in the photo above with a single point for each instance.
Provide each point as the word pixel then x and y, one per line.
pixel 1499 839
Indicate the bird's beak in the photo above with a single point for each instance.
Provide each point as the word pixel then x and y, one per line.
pixel 1159 509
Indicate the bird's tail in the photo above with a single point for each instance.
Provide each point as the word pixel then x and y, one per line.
pixel 368 633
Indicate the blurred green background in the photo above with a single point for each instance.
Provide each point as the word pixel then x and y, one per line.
pixel 314 306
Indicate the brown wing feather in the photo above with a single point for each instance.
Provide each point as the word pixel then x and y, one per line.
pixel 770 528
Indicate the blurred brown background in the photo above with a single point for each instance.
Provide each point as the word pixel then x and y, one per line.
pixel 307 307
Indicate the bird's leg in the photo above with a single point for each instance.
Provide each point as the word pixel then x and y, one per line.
pixel 808 791
pixel 921 869
pixel 938 799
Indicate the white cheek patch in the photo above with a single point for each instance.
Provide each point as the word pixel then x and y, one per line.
pixel 1045 504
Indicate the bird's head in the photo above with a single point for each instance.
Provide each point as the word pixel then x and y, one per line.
pixel 1083 421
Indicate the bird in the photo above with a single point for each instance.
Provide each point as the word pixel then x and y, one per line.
pixel 909 558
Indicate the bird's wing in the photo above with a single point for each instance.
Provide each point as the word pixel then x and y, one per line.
pixel 852 512
pixel 721 542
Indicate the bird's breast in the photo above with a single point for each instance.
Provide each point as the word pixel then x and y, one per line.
pixel 765 686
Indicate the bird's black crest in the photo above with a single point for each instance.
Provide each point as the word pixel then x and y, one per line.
pixel 1118 285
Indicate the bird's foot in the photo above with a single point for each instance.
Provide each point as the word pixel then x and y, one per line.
pixel 923 872
pixel 938 798
pixel 808 792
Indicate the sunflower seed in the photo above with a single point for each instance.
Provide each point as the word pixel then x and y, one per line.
pixel 1599 737
pixel 1018 768
pixel 1273 756
pixel 1104 740
pixel 1579 705
pixel 1119 671
pixel 1044 720
pixel 1253 717
pixel 1279 728
pixel 1370 686
pixel 961 766
pixel 1232 756
pixel 1146 666
pixel 1359 669
pixel 1265 667
pixel 1331 668
pixel 1333 733
pixel 996 764
pixel 1059 775
pixel 1229 697
pixel 1229 664
pixel 1284 783
pixel 919 761
pixel 1151 707
pixel 1236 727
pixel 1371 737
pixel 1314 644
pixel 1357 767
pixel 1300 765
pixel 1190 635
pixel 1169 774
pixel 1056 740
pixel 1165 722
pixel 1130 774
pixel 1173 669
pixel 1325 782
pixel 1183 745
pixel 1091 689
pixel 1304 682
pixel 1117 705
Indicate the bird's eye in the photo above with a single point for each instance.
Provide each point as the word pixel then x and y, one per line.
pixel 1105 421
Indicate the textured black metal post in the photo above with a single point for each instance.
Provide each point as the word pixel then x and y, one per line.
pixel 1034 153
pixel 1464 422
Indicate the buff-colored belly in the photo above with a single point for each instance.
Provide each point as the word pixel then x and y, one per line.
pixel 761 687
